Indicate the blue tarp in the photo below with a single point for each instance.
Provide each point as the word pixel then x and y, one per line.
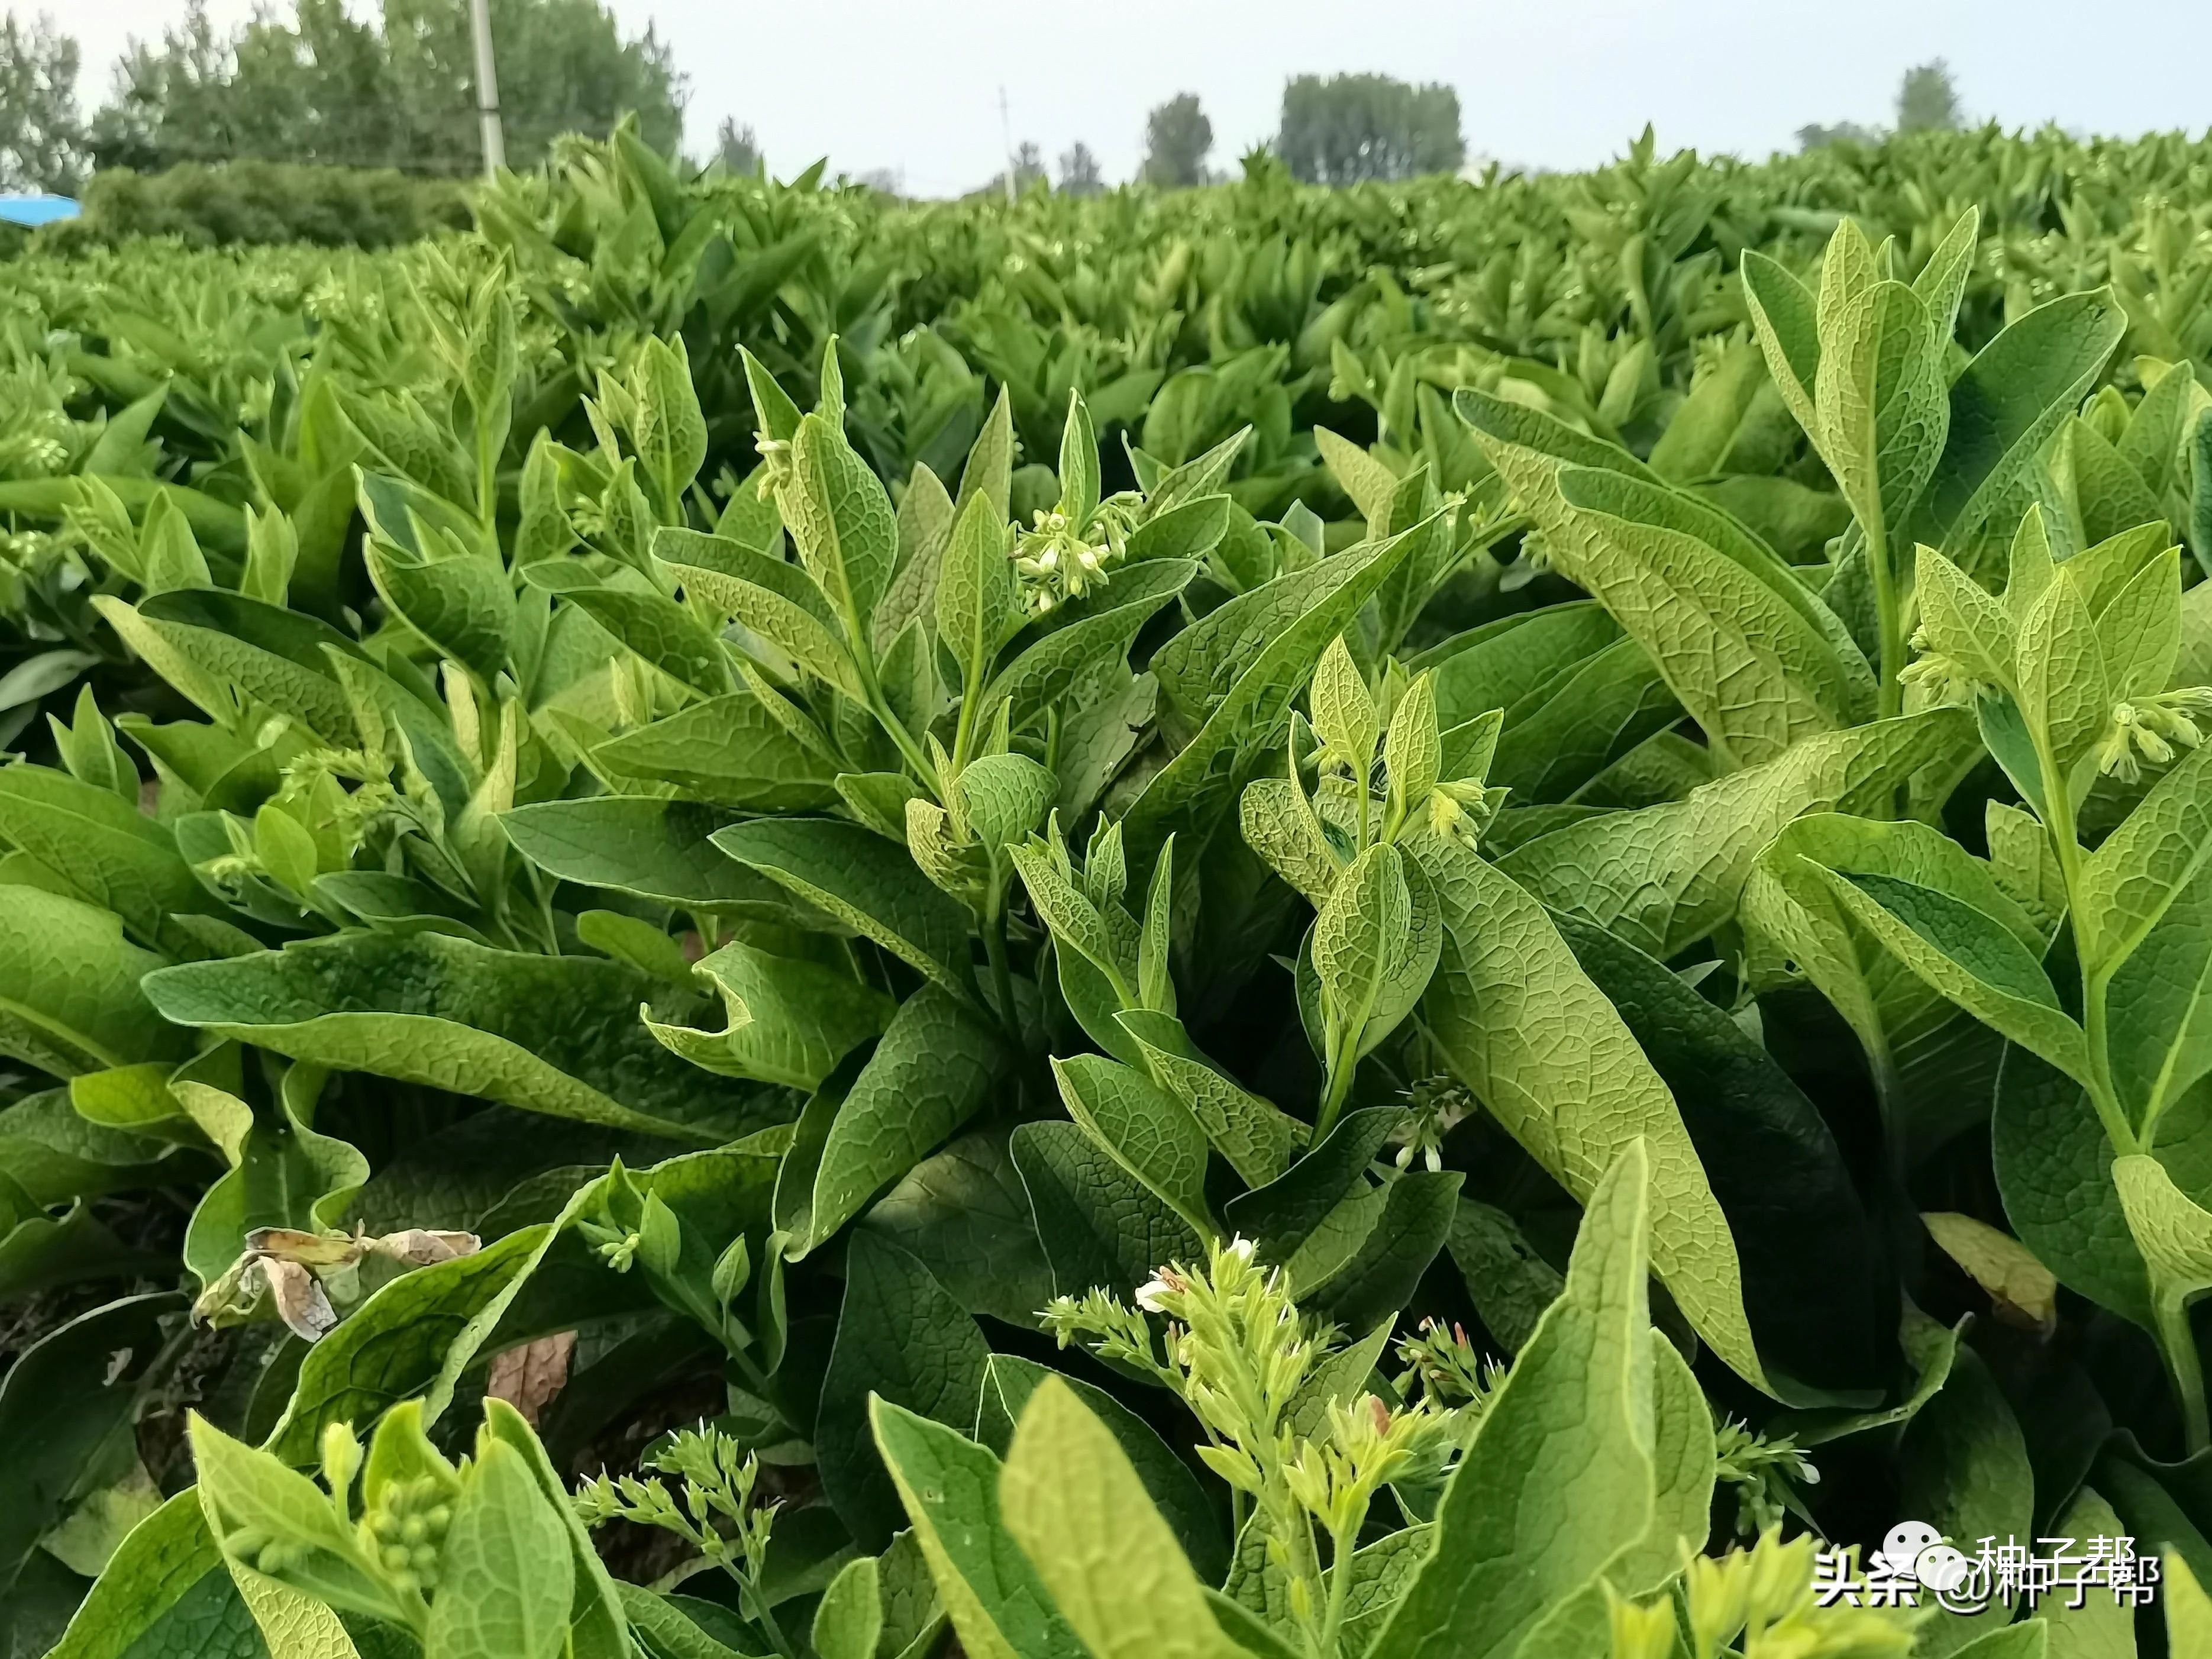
pixel 36 209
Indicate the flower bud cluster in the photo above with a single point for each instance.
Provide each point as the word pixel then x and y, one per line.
pixel 1059 559
pixel 2153 727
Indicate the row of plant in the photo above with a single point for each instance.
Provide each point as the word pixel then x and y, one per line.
pixel 1232 960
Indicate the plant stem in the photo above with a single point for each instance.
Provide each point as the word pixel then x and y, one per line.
pixel 1002 972
pixel 1888 627
pixel 2058 800
pixel 757 1608
pixel 895 727
pixel 2178 1341
pixel 487 486
pixel 1340 1586
pixel 1340 1085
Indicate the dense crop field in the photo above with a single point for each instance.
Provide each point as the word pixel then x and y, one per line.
pixel 1431 920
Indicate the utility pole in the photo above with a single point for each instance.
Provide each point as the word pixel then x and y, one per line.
pixel 1005 135
pixel 494 141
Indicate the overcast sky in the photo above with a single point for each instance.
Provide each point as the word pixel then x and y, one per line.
pixel 1554 84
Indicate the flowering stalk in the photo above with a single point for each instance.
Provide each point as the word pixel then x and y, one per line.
pixel 1237 1352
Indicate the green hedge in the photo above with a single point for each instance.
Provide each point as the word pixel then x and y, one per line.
pixel 255 202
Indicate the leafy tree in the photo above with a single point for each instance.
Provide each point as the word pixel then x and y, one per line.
pixel 736 146
pixel 1079 171
pixel 1927 101
pixel 1814 136
pixel 41 141
pixel 321 86
pixel 1177 136
pixel 1349 129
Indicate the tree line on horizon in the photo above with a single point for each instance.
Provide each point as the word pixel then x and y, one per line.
pixel 322 86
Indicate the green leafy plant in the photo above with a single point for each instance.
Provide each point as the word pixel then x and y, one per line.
pixel 1242 922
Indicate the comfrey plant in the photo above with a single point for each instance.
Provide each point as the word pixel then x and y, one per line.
pixel 693 806
pixel 1239 1354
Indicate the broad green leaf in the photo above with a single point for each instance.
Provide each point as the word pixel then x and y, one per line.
pixel 964 1214
pixel 549 1034
pixel 1962 620
pixel 653 626
pixel 2173 1233
pixel 2102 1627
pixel 1147 1132
pixel 1343 713
pixel 1185 1504
pixel 787 1021
pixel 1965 1467
pixel 990 466
pixel 2006 404
pixel 70 997
pixel 462 604
pixel 649 847
pixel 937 1066
pixel 2148 864
pixel 1509 1284
pixel 1077 659
pixel 1406 1235
pixel 778 601
pixel 1793 1209
pixel 2067 688
pixel 841 521
pixel 1256 1136
pixel 925 529
pixel 1077 924
pixel 1684 1472
pixel 206 642
pixel 1099 1225
pixel 730 750
pixel 1520 1024
pixel 164 1592
pixel 505 1575
pixel 1082 1515
pixel 1362 934
pixel 1932 1065
pixel 103 846
pixel 414 1336
pixel 849 1619
pixel 1754 656
pixel 672 433
pixel 250 1499
pixel 58 1156
pixel 1281 1214
pixel 666 1629
pixel 950 1487
pixel 1880 399
pixel 864 881
pixel 1007 797
pixel 66 1394
pixel 1248 719
pixel 1785 319
pixel 1527 1530
pixel 1970 958
pixel 1666 876
pixel 900 1341
pixel 978 602
pixel 1998 1262
pixel 2054 1171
